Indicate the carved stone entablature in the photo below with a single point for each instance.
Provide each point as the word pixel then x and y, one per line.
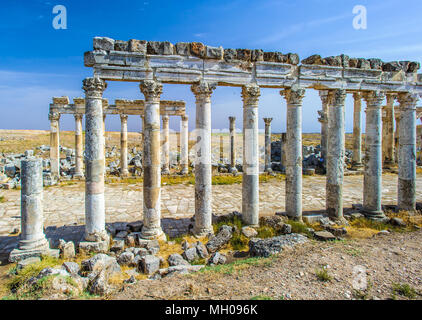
pixel 61 100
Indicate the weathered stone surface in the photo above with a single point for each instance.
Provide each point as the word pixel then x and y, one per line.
pixel 334 61
pixel 267 247
pixel 99 284
pixel 276 222
pixel 230 55
pixel 353 63
pixel 190 254
pixel 120 45
pixel 376 64
pixel 126 258
pixel 182 48
pixel 217 258
pixel 137 46
pixel 151 245
pixel 244 54
pixel 392 66
pixel 71 267
pixel 67 249
pixel 201 249
pixel 286 229
pixel 90 246
pixel 101 262
pixel 131 239
pixel 249 232
pixel 345 61
pixel 257 55
pixel 314 59
pixel 364 64
pixel 197 49
pixel 324 236
pixel 174 270
pixel 117 245
pixel 223 236
pixel 214 53
pixel 176 259
pixel 293 58
pixel 338 232
pixel 135 226
pixel 149 264
pixel 103 43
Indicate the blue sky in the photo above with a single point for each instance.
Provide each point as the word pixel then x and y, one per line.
pixel 38 62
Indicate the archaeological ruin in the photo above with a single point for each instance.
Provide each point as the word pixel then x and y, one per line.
pixel 203 67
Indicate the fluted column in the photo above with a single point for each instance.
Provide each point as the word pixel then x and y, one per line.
pixel 294 97
pixel 357 131
pixel 94 160
pixel 323 119
pixel 54 118
pixel 372 181
pixel 388 132
pixel 335 155
pixel 268 144
pixel 166 145
pixel 203 187
pixel 78 146
pixel 250 180
pixel 396 137
pixel 124 172
pixel 232 144
pixel 104 134
pixel 184 144
pixel 32 240
pixel 407 152
pixel 152 160
pixel 221 149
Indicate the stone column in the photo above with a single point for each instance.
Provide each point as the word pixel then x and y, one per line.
pixel 372 181
pixel 32 240
pixel 407 152
pixel 323 119
pixel 268 144
pixel 78 146
pixel 203 187
pixel 184 144
pixel 335 155
pixel 221 149
pixel 54 118
pixel 232 144
pixel 294 97
pixel 396 137
pixel 124 172
pixel 388 132
pixel 94 160
pixel 152 160
pixel 250 180
pixel 357 131
pixel 166 145
pixel 104 134
pixel 142 131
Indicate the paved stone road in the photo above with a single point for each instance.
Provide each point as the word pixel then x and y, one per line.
pixel 65 205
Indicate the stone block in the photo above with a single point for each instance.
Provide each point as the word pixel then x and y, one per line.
pixel 18 255
pixel 216 259
pixel 137 46
pixel 249 232
pixel 334 61
pixel 293 58
pixel 214 53
pixel 103 43
pixel 324 236
pixel 120 45
pixel 197 49
pixel 93 246
pixel 363 64
pixel 149 264
pixel 71 267
pixel 176 259
pixel 314 59
pixel 190 254
pixel 182 48
pixel 117 245
pixel 230 55
pixel 244 54
pixel 376 64
pixel 257 55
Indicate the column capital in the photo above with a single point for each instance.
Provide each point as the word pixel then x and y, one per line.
pixel 152 90
pixel 357 95
pixel 185 117
pixel 78 116
pixel 408 100
pixel 293 96
pixel 94 87
pixel 232 119
pixel 54 116
pixel 337 97
pixel 374 98
pixel 123 117
pixel 203 90
pixel 251 94
pixel 323 94
pixel 165 118
pixel 267 121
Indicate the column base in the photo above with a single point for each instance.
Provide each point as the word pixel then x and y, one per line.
pixel 374 215
pixel 98 243
pixel 202 232
pixel 165 171
pixel 153 234
pixel 124 173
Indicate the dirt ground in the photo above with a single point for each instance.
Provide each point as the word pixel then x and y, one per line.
pixel 389 260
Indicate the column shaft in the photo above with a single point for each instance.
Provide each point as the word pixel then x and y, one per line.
pixel 123 146
pixel 293 152
pixel 324 124
pixel 184 145
pixel 152 160
pixel 335 155
pixel 250 180
pixel 232 144
pixel 166 145
pixel 78 146
pixel 357 130
pixel 372 182
pixel 268 144
pixel 55 143
pixel 203 186
pixel 94 160
pixel 388 132
pixel 407 152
